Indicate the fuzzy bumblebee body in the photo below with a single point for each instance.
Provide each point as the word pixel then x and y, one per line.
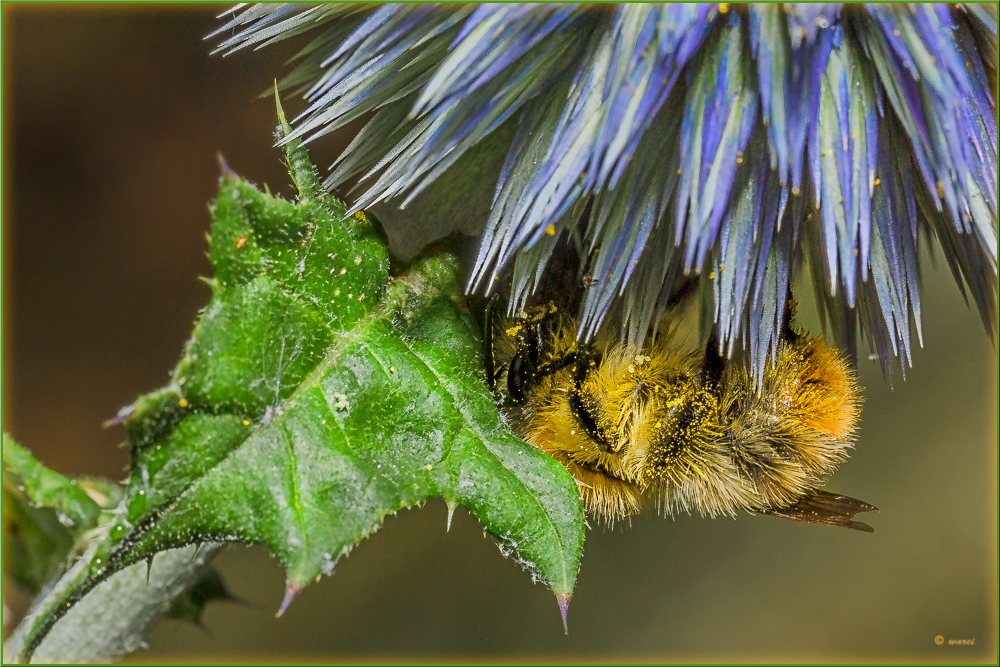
pixel 682 431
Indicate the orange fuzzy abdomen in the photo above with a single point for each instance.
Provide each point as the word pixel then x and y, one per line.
pixel 828 401
pixel 788 434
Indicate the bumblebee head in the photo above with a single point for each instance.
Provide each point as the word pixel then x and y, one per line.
pixel 624 419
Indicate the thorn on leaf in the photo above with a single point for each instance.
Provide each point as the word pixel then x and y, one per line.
pixel 563 599
pixel 291 592
pixel 224 167
pixel 123 416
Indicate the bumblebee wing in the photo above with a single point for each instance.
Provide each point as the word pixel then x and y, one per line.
pixel 830 509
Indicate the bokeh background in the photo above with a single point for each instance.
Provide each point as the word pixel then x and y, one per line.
pixel 112 119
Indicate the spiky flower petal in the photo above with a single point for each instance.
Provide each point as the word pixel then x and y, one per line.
pixel 681 139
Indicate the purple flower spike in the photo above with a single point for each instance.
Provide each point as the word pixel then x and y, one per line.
pixel 676 143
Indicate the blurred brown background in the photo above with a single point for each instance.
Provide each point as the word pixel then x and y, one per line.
pixel 112 118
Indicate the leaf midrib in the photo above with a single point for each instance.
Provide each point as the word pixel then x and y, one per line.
pixel 482 441
pixel 390 302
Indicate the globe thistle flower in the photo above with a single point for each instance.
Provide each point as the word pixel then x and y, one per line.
pixel 733 143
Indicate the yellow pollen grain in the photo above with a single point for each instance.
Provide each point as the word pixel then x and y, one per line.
pixel 183 403
pixel 241 241
pixel 246 422
pixel 429 467
pixel 877 181
pixel 940 189
pixel 723 7
pixel 551 230
pixel 392 369
pixel 360 216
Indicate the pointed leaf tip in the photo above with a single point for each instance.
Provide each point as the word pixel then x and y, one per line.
pixel 563 600
pixel 224 167
pixel 291 592
pixel 123 416
pixel 286 129
pixel 299 166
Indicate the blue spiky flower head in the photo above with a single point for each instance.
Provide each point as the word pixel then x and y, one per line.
pixel 734 143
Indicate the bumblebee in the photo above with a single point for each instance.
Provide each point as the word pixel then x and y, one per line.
pixel 679 430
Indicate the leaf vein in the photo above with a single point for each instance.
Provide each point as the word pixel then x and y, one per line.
pixel 470 420
pixel 294 500
pixel 441 389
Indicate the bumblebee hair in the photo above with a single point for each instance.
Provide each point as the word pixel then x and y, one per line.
pixel 681 431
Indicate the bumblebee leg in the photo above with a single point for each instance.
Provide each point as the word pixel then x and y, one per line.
pixel 519 377
pixel 556 365
pixel 489 362
pixel 533 343
pixel 714 363
pixel 788 333
pixel 524 370
pixel 586 420
pixel 534 328
pixel 526 367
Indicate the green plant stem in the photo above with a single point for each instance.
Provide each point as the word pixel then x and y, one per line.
pixel 115 617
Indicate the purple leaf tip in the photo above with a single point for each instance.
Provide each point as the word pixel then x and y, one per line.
pixel 291 592
pixel 224 167
pixel 123 415
pixel 563 599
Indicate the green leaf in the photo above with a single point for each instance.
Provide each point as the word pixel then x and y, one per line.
pixel 44 515
pixel 317 395
pixel 47 488
pixel 35 544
